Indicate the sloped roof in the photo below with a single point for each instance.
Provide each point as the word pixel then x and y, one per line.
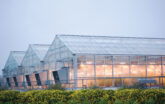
pixel 15 57
pixel 18 56
pixel 40 49
pixel 113 45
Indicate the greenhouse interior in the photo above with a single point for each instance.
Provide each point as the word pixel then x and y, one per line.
pixel 81 61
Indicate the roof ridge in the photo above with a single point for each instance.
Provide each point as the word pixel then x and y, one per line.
pixel 40 48
pixel 41 44
pixel 108 36
pixel 17 51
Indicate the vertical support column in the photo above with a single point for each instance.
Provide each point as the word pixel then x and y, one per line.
pixel 113 72
pixel 43 69
pixel 24 83
pixel 130 71
pixel 159 83
pixel 162 70
pixel 104 73
pixel 48 82
pixel 146 60
pixel 95 70
pixel 23 74
pixel 75 70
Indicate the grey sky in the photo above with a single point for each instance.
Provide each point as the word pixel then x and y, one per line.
pixel 24 22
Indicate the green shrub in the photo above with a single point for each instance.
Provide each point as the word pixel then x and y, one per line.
pixel 85 96
pixel 109 96
pixel 131 101
pixel 3 88
pixel 72 102
pixel 150 101
pixel 94 96
pixel 9 96
pixel 56 87
pixel 118 101
pixel 157 95
pixel 45 96
pixel 103 101
pixel 126 95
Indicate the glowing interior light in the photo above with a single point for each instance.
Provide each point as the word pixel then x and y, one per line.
pixel 134 72
pixel 89 62
pixel 122 62
pixel 87 70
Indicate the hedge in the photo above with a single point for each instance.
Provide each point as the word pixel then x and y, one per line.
pixel 85 96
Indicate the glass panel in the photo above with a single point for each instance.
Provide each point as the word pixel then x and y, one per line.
pixel 89 59
pixel 108 60
pixel 86 59
pixel 81 59
pixel 153 70
pixel 163 70
pixel 154 60
pixel 79 83
pixel 138 70
pixel 135 71
pixel 157 80
pixel 71 71
pixel 126 81
pixel 108 70
pixel 142 60
pixel 134 60
pixel 121 60
pixel 142 70
pixel 100 60
pixel 121 70
pixel 85 70
pixel 100 82
pixel 90 70
pixel 163 59
pixel 108 82
pixel 117 82
pixel 163 81
pixel 100 70
pixel 90 83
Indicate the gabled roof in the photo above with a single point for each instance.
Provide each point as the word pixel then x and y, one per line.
pixel 113 45
pixel 16 56
pixel 40 49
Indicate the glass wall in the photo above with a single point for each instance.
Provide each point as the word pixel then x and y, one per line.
pixel 31 62
pixel 107 71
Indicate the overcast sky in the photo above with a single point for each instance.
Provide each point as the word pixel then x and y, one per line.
pixel 24 22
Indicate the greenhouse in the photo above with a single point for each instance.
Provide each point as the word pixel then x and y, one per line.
pixel 80 61
pixel 33 65
pixel 11 68
pixel 106 61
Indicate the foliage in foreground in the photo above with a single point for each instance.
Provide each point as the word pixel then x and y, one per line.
pixel 85 96
pixel 3 88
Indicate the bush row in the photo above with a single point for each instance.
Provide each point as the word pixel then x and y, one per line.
pixel 85 96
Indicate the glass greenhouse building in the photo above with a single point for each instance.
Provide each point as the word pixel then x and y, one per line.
pixel 12 67
pixel 78 61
